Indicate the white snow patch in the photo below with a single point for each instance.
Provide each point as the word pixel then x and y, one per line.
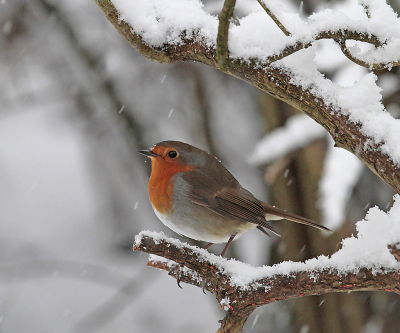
pixel 225 302
pixel 159 22
pixel 298 131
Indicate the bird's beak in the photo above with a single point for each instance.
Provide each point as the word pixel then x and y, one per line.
pixel 148 153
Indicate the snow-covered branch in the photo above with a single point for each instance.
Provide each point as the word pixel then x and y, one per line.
pixel 354 116
pixel 239 293
pixel 367 262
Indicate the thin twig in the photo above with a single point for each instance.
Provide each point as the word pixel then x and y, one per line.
pixel 362 63
pixel 274 18
pixel 340 36
pixel 223 31
pixel 366 10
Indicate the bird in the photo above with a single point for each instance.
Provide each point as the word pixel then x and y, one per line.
pixel 193 194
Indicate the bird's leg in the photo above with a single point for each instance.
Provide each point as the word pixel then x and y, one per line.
pixel 178 275
pixel 227 244
pixel 208 246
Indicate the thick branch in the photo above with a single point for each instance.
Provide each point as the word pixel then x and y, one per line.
pixel 207 271
pixel 240 301
pixel 278 82
pixel 200 268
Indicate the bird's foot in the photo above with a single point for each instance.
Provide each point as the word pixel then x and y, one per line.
pixel 178 278
pixel 178 275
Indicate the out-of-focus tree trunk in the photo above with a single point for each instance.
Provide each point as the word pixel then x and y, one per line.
pixel 294 186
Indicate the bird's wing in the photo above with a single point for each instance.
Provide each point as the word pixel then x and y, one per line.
pixel 236 203
pixel 233 204
pixel 242 205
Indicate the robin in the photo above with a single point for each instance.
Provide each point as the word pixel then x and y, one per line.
pixel 193 194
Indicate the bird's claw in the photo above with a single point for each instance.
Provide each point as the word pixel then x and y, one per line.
pixel 178 279
pixel 203 286
pixel 178 275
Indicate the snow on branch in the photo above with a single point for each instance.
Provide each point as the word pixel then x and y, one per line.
pixel 258 51
pixel 368 262
pixel 175 23
pixel 298 132
pixel 239 295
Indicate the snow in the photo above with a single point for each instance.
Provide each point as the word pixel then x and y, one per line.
pixel 225 302
pixel 298 131
pixel 368 249
pixel 159 21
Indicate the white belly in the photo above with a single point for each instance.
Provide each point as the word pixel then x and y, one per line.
pixel 196 229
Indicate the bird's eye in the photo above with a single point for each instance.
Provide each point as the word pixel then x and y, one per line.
pixel 173 154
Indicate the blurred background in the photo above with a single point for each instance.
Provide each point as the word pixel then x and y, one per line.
pixel 77 102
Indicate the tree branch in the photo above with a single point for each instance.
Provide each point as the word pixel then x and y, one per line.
pixel 274 18
pixel 340 36
pixel 278 82
pixel 198 267
pixel 223 29
pixel 377 66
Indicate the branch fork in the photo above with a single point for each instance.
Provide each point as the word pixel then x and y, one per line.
pixel 340 36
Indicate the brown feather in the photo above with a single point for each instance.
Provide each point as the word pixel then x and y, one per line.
pixel 237 203
pixel 233 201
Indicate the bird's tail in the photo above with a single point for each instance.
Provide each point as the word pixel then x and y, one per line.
pixel 273 213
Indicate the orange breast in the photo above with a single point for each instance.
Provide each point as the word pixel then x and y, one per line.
pixel 161 185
